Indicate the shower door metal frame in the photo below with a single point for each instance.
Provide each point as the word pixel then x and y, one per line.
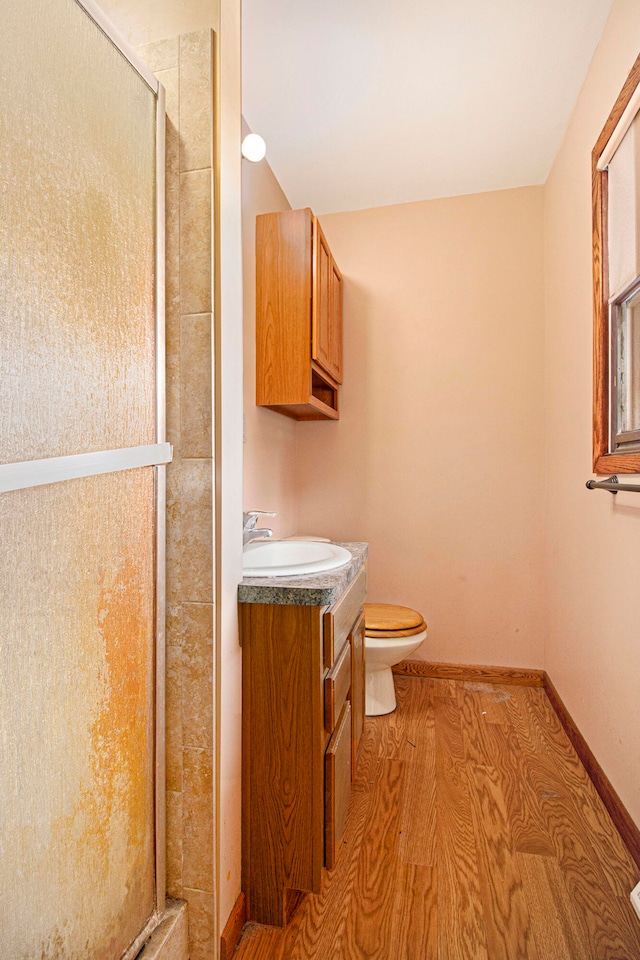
pixel 15 476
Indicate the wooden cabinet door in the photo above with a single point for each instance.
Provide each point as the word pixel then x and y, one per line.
pixel 326 311
pixel 337 786
pixel 356 639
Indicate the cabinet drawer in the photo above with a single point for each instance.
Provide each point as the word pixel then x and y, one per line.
pixel 336 688
pixel 337 787
pixel 340 618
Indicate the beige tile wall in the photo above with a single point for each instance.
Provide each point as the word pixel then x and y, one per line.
pixel 184 65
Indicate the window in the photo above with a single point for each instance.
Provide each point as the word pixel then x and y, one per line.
pixel 616 284
pixel 625 372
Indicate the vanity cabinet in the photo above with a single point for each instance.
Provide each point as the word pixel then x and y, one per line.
pixel 298 317
pixel 303 714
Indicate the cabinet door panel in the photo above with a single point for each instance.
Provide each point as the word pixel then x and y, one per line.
pixel 337 786
pixel 326 327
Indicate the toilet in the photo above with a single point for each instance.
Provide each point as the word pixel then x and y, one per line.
pixel 392 633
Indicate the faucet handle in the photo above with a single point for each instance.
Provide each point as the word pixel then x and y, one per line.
pixel 250 517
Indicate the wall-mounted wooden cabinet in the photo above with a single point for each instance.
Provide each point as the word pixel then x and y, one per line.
pixel 298 317
pixel 303 715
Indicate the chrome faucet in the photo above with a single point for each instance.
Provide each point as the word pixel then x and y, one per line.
pixel 249 530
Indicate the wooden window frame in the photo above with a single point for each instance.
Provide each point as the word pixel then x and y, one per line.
pixel 605 462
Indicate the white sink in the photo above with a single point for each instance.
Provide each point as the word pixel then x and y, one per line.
pixel 286 558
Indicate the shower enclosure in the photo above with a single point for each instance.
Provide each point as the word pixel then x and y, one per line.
pixel 82 449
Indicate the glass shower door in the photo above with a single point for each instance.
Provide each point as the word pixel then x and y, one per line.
pixel 81 487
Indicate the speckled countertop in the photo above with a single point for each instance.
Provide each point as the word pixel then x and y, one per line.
pixel 305 590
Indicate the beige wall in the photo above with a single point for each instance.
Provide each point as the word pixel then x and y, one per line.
pixel 269 464
pixel 437 458
pixel 593 555
pixel 228 453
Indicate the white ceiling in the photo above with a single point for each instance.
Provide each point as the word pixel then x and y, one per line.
pixel 365 103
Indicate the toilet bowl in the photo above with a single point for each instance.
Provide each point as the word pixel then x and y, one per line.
pixel 392 633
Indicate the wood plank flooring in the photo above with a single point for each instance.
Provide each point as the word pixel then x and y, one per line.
pixel 474 834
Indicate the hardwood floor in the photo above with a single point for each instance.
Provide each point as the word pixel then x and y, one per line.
pixel 474 834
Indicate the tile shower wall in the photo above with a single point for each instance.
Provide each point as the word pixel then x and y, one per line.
pixel 184 65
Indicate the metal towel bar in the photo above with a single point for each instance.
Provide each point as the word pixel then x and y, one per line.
pixel 611 484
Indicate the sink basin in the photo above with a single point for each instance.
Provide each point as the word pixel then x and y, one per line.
pixel 287 558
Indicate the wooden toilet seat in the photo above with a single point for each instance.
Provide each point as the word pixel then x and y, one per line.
pixel 387 620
